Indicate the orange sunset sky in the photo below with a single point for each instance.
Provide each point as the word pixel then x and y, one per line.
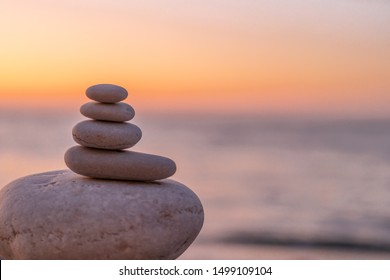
pixel 291 56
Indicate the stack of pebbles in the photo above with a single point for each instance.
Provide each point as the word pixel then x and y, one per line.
pixel 122 207
pixel 104 138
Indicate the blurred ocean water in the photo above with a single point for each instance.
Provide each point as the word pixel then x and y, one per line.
pixel 270 187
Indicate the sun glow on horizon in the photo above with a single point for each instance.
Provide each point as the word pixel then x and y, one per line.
pixel 246 55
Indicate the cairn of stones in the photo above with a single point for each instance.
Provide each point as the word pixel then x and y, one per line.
pixel 104 138
pixel 113 203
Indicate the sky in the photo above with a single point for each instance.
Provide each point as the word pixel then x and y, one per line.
pixel 257 56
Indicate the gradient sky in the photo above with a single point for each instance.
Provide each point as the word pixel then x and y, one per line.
pixel 312 56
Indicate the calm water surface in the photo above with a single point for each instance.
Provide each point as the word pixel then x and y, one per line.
pixel 271 187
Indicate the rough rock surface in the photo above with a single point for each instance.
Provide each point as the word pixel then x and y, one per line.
pixel 61 215
pixel 106 135
pixel 106 93
pixel 117 112
pixel 118 165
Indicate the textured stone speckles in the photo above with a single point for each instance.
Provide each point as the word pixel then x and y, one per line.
pixel 118 165
pixel 106 93
pixel 60 215
pixel 106 135
pixel 117 112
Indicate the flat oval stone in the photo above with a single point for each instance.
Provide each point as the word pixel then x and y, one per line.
pixel 117 112
pixel 106 93
pixel 118 165
pixel 60 215
pixel 106 135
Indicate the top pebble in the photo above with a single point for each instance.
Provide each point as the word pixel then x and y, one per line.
pixel 106 93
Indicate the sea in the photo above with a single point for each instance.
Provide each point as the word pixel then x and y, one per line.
pixel 272 187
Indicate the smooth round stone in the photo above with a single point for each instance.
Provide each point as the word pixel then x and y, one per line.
pixel 118 165
pixel 117 112
pixel 106 93
pixel 61 215
pixel 106 135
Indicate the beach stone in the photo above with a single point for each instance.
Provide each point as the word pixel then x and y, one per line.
pixel 106 135
pixel 61 215
pixel 117 112
pixel 106 93
pixel 118 165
